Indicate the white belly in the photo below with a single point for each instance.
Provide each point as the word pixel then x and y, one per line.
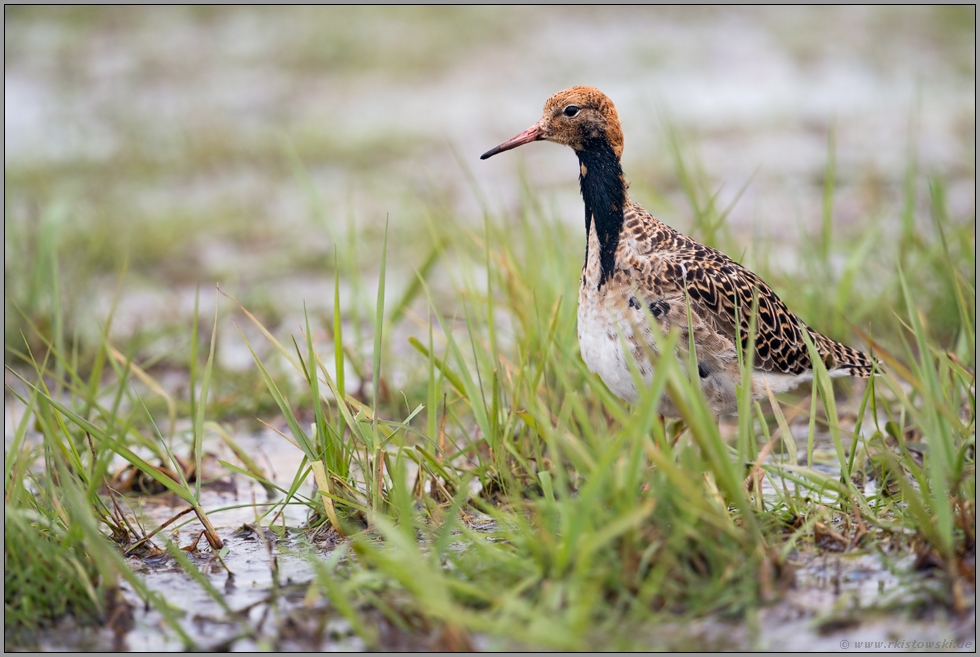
pixel 603 350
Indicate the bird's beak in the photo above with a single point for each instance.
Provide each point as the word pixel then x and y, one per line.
pixel 534 133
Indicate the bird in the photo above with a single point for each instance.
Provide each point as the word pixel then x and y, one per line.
pixel 639 274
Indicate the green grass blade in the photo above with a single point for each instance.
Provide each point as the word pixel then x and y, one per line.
pixel 202 404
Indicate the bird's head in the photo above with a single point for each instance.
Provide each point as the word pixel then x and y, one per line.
pixel 580 117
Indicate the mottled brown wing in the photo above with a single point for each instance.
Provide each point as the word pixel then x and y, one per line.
pixel 669 264
pixel 723 292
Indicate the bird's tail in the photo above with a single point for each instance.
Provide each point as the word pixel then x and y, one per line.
pixel 837 356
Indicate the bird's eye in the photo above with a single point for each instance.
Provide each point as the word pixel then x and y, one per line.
pixel 571 110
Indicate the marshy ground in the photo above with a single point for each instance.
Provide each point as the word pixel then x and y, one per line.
pixel 321 166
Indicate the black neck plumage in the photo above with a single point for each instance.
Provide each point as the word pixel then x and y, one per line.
pixel 604 192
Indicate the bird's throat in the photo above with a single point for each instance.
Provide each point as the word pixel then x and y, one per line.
pixel 604 193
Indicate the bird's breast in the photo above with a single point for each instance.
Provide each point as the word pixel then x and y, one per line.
pixel 610 327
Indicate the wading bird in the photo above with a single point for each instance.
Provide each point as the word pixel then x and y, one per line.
pixel 637 267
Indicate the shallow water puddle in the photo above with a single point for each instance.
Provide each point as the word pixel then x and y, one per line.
pixel 259 611
pixel 249 593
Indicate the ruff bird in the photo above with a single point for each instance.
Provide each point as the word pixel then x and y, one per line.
pixel 637 268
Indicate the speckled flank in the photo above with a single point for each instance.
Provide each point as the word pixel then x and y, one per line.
pixel 637 268
pixel 663 263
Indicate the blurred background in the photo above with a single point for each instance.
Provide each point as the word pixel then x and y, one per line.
pixel 258 148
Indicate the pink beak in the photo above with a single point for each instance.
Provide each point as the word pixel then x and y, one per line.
pixel 534 133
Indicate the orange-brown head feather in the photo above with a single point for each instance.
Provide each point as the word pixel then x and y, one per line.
pixel 572 117
pixel 596 118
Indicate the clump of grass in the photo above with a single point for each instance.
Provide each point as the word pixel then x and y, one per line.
pixel 44 575
pixel 64 530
